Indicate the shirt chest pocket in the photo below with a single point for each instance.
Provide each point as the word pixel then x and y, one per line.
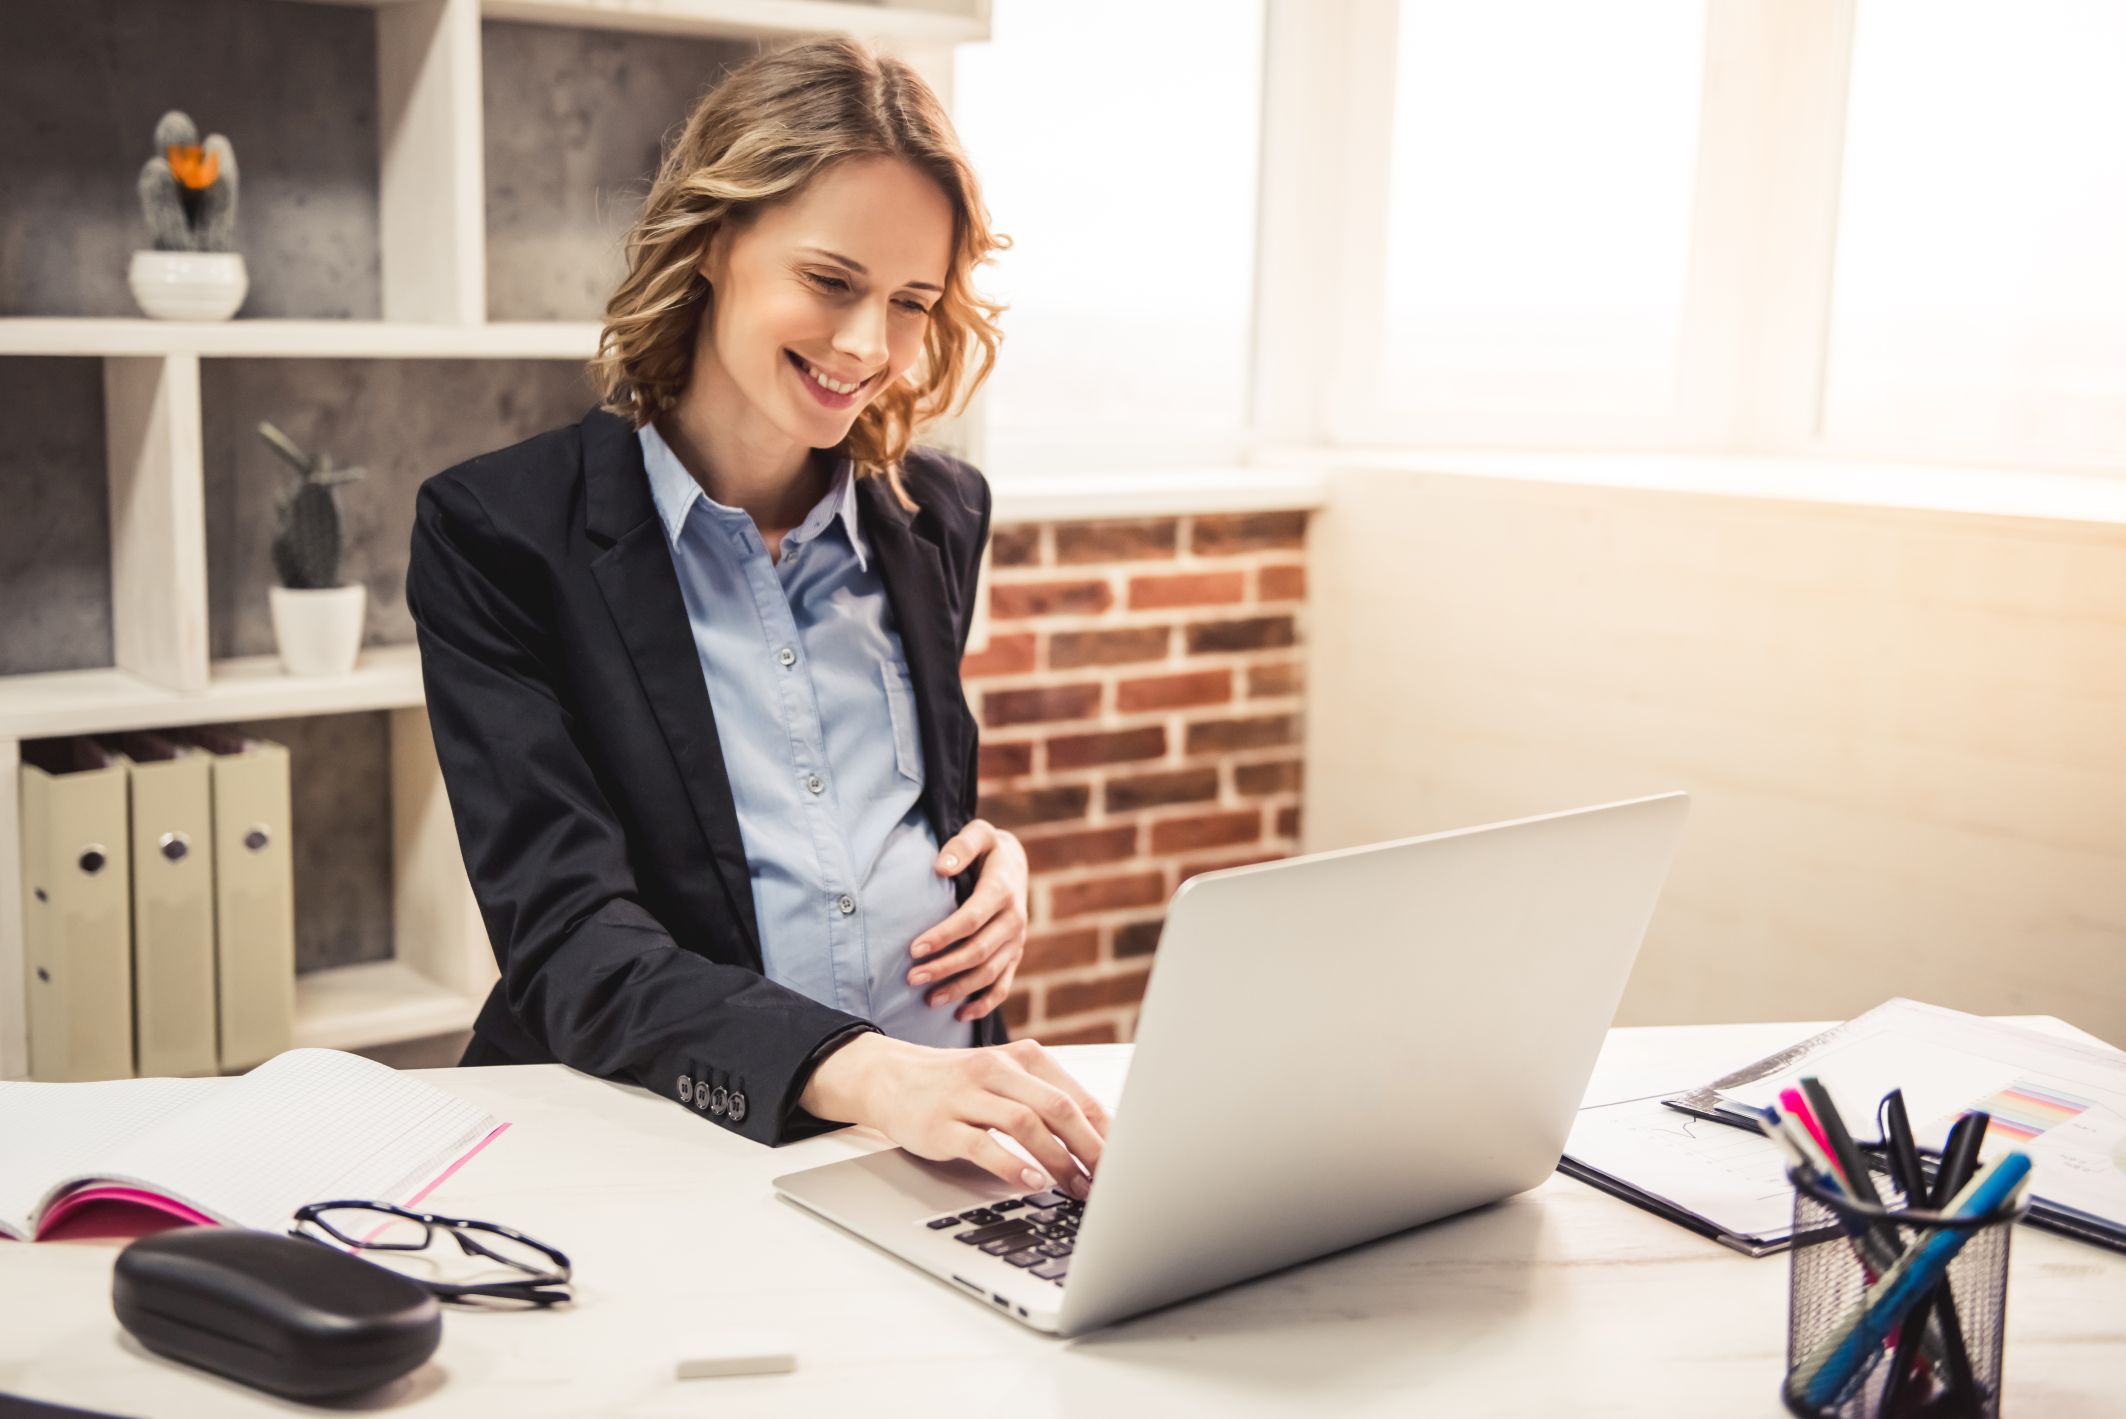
pixel 900 707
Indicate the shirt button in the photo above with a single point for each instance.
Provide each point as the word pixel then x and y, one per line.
pixel 815 783
pixel 845 904
pixel 786 657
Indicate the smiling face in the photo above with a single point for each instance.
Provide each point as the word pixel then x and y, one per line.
pixel 840 278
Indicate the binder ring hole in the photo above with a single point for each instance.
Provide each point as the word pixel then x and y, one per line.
pixel 175 846
pixel 257 839
pixel 93 859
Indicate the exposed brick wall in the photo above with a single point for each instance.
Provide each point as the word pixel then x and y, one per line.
pixel 1140 696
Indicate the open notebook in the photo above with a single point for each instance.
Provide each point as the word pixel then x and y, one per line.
pixel 310 1125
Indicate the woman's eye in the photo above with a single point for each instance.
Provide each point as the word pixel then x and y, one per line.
pixel 830 282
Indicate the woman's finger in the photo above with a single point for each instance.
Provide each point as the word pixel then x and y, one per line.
pixel 1028 1125
pixel 1059 1108
pixel 977 977
pixel 1042 1065
pixel 969 953
pixel 964 847
pixel 989 897
pixel 978 1148
pixel 981 1003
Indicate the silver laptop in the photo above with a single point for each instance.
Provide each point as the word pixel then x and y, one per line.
pixel 1332 1048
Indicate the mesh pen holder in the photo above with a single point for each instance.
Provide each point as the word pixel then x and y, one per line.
pixel 1944 1358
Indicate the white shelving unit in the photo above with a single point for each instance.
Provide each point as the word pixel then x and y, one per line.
pixel 434 280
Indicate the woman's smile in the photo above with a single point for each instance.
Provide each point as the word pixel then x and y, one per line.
pixel 824 395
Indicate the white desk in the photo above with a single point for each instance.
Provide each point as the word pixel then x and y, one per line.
pixel 1558 1300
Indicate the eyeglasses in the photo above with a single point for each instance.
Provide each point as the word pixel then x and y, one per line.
pixel 534 1273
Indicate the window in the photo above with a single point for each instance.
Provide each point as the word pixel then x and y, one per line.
pixel 1979 306
pixel 1118 145
pixel 1542 162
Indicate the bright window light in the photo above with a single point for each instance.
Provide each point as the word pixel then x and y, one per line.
pixel 1540 205
pixel 1118 144
pixel 1979 306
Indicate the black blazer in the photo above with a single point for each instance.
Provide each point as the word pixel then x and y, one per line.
pixel 578 744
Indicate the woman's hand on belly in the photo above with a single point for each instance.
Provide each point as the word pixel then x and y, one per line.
pixel 941 1103
pixel 989 927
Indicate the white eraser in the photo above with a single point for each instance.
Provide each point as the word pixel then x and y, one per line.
pixel 732 1350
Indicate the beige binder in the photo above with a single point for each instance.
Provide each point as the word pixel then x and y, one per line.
pixel 173 905
pixel 254 896
pixel 76 898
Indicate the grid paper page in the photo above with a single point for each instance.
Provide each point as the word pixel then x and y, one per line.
pixel 310 1125
pixel 54 1131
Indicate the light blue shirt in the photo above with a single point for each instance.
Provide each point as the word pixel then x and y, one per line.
pixel 817 720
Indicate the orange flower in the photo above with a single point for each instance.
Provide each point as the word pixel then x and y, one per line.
pixel 195 167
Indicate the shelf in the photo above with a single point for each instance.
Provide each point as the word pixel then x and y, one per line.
pixel 375 1003
pixel 255 687
pixel 718 19
pixel 299 339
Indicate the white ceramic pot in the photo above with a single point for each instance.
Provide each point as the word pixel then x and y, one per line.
pixel 188 285
pixel 319 632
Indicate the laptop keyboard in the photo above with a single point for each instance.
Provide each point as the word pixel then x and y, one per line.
pixel 1035 1232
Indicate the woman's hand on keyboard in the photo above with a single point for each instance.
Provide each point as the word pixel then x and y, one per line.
pixel 941 1103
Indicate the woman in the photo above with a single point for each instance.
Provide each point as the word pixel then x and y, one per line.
pixel 692 663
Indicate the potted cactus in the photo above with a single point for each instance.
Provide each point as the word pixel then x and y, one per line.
pixel 317 623
pixel 193 271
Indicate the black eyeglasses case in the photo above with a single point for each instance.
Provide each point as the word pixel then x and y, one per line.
pixel 278 1313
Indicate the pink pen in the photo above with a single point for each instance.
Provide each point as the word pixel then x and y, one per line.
pixel 1792 1101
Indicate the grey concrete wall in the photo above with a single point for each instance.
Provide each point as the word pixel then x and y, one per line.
pixel 55 517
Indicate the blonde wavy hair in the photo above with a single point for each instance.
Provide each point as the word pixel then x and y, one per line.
pixel 755 139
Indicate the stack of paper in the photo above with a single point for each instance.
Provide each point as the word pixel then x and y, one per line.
pixel 2053 1091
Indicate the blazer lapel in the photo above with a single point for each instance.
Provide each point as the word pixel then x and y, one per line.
pixel 914 573
pixel 641 589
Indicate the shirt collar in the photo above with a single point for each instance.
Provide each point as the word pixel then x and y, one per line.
pixel 675 493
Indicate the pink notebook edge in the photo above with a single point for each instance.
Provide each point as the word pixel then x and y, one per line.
pixel 126 1195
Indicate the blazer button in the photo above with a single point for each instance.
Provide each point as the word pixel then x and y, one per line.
pixel 738 1107
pixel 686 1090
pixel 701 1095
pixel 720 1100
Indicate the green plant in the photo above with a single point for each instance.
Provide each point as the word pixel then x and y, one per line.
pixel 188 189
pixel 306 545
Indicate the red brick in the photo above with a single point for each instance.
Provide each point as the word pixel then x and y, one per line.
pixel 1260 780
pixel 1221 736
pixel 1081 849
pixel 1285 678
pixel 1288 822
pixel 1086 751
pixel 1101 1033
pixel 1207 830
pixel 1285 583
pixel 1069 650
pixel 1195 869
pixel 1158 692
pixel 1015 546
pixel 1247 532
pixel 1076 996
pixel 1256 633
pixel 1137 938
pixel 1124 795
pixel 1187 589
pixel 1018 1009
pixel 1041 704
pixel 1007 760
pixel 1115 540
pixel 1009 600
pixel 1060 950
pixel 1021 808
pixel 1004 655
pixel 1101 894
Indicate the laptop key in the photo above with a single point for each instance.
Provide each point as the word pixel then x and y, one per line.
pixel 1053 1270
pixel 1028 1257
pixel 939 1224
pixel 1055 1248
pixel 1045 1199
pixel 1009 1204
pixel 1046 1214
pixel 980 1235
pixel 981 1217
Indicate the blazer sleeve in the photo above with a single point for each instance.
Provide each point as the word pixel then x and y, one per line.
pixel 586 968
